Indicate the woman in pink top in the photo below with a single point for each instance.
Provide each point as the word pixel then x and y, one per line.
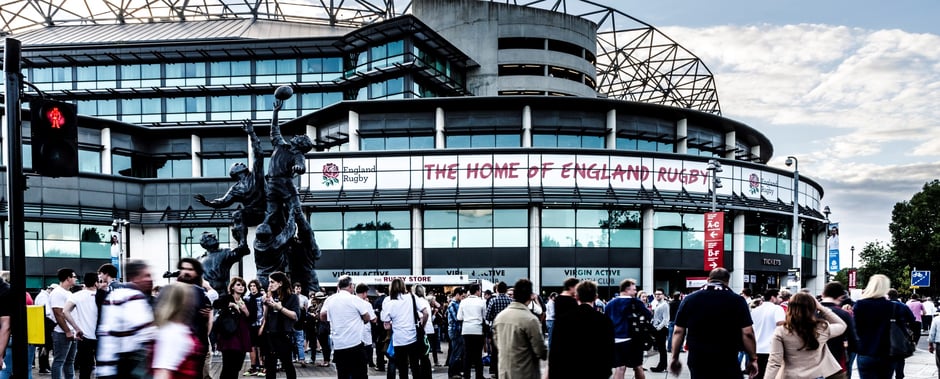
pixel 917 308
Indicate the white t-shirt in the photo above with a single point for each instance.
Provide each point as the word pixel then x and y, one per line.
pixel 765 317
pixel 400 312
pixel 344 311
pixel 367 327
pixel 173 342
pixel 929 308
pixel 425 304
pixel 471 312
pixel 57 299
pixel 85 312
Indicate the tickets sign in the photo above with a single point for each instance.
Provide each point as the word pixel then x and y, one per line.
pixel 714 240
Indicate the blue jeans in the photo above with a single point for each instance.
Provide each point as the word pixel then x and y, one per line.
pixel 672 328
pixel 550 324
pixel 63 356
pixel 299 339
pixel 849 363
pixel 8 360
pixel 874 367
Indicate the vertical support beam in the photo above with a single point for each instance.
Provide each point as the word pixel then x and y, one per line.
pixel 535 244
pixel 682 136
pixel 648 250
pixel 731 143
pixel 196 146
pixel 527 126
pixel 737 253
pixel 439 138
pixel 611 137
pixel 818 283
pixel 417 241
pixel 107 145
pixel 353 131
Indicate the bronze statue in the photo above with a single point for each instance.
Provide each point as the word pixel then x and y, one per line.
pixel 217 263
pixel 248 190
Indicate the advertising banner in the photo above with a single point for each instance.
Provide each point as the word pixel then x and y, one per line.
pixel 833 242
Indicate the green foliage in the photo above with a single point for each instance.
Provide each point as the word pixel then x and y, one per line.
pixel 915 232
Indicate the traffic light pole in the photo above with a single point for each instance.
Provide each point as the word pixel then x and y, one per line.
pixel 16 184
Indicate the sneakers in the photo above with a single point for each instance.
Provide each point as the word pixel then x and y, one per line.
pixel 251 372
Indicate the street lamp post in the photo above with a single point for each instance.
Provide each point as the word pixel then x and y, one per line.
pixel 715 167
pixel 826 212
pixel 794 233
pixel 852 249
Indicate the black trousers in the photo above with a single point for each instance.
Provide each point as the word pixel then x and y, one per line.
pixel 85 357
pixel 762 365
pixel 660 337
pixel 231 364
pixel 351 363
pixel 410 356
pixel 280 347
pixel 473 356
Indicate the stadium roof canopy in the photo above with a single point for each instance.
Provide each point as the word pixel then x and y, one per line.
pixel 635 61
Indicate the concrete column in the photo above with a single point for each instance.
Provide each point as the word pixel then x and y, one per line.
pixel 535 244
pixel 526 126
pixel 353 131
pixel 439 138
pixel 106 151
pixel 174 250
pixel 417 241
pixel 755 151
pixel 648 256
pixel 682 136
pixel 196 143
pixel 730 144
pixel 737 253
pixel 818 283
pixel 611 137
pixel 311 132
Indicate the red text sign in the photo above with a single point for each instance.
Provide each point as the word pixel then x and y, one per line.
pixel 714 240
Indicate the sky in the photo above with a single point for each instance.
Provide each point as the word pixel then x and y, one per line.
pixel 851 88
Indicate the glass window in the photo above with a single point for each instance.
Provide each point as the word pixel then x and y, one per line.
pixel 508 140
pixel 89 161
pixel 422 142
pixel 560 218
pixel 435 219
pixel 475 237
pixel 121 165
pixel 544 140
pixel 503 218
pixel 440 238
pixel 554 237
pixel 457 141
pixel 326 221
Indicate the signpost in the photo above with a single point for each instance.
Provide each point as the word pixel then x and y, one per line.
pixel 852 283
pixel 714 240
pixel 920 278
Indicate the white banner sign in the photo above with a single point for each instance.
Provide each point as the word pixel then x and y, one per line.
pixel 603 276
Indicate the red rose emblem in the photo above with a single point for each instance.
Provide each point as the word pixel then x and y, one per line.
pixel 330 174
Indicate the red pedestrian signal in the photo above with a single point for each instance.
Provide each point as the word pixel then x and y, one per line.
pixel 54 131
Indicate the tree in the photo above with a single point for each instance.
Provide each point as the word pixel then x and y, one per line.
pixel 915 229
pixel 881 258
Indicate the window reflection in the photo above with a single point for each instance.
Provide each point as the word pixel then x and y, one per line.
pixel 478 227
pixel 590 228
pixel 362 230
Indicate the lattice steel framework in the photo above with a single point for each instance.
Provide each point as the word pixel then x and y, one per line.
pixel 635 61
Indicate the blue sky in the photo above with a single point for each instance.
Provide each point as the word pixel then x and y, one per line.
pixel 849 87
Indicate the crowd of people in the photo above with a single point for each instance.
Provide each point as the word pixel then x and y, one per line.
pixel 133 330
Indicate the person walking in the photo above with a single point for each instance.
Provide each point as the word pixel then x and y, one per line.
pixel 281 307
pixel 495 305
pixel 254 301
pixel 767 316
pixel 403 314
pixel 873 314
pixel 930 309
pixel 362 292
pixel 63 337
pixel 933 340
pixel 456 350
pixel 918 309
pixel 518 335
pixel 299 336
pixel 471 313
pixel 81 313
pixel 176 352
pixel 126 333
pixel 348 315
pixel 661 325
pixel 583 340
pixel 42 298
pixel 628 345
pixel 718 324
pixel 233 343
pixel 799 347
pixel 840 346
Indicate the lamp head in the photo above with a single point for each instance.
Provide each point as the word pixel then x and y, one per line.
pixel 826 211
pixel 789 161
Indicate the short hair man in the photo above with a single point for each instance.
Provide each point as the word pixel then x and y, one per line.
pixel 565 300
pixel 583 339
pixel 347 314
pixel 63 337
pixel 126 326
pixel 191 272
pixel 81 312
pixel 471 312
pixel 455 353
pixel 518 336
pixel 848 341
pixel 628 348
pixel 766 316
pixel 721 326
pixel 494 306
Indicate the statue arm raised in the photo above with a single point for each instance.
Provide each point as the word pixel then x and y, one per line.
pixel 257 152
pixel 276 137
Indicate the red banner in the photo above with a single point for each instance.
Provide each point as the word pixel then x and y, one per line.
pixel 852 273
pixel 714 240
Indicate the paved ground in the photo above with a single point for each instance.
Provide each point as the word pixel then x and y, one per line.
pixel 920 366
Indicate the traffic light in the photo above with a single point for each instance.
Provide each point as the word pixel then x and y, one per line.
pixel 54 126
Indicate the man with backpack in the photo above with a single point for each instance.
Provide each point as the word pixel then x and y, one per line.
pixel 632 330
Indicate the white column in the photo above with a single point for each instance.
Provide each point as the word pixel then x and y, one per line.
pixel 526 126
pixel 174 250
pixel 196 143
pixel 818 283
pixel 311 133
pixel 730 144
pixel 682 136
pixel 439 137
pixel 737 253
pixel 417 242
pixel 535 244
pixel 611 138
pixel 648 250
pixel 106 151
pixel 353 131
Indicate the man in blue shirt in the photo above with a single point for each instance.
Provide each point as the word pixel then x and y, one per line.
pixel 718 323
pixel 628 345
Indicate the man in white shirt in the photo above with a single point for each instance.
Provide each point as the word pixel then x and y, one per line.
pixel 661 324
pixel 81 312
pixel 471 312
pixel 347 314
pixel 767 316
pixel 929 311
pixel 362 292
pixel 299 335
pixel 126 327
pixel 43 299
pixel 63 344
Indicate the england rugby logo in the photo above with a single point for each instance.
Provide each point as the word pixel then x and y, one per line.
pixel 330 174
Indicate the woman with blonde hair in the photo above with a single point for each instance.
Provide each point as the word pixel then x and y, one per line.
pixel 799 347
pixel 176 352
pixel 873 315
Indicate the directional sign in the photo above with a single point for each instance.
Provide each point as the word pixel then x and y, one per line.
pixel 714 240
pixel 920 278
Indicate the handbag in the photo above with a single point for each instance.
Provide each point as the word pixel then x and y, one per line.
pixel 390 348
pixel 419 331
pixel 900 337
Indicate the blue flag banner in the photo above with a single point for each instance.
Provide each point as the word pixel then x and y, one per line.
pixel 833 242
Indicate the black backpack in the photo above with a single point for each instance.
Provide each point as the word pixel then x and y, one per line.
pixel 641 327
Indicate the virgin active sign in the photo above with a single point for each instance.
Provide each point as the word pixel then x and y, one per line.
pixel 544 170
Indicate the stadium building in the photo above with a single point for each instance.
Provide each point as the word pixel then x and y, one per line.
pixel 453 137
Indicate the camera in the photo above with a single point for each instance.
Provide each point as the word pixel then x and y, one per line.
pixel 174 274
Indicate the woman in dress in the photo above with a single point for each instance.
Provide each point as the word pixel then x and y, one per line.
pixel 799 346
pixel 233 345
pixel 176 352
pixel 280 313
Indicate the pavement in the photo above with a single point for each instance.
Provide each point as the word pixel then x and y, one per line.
pixel 920 366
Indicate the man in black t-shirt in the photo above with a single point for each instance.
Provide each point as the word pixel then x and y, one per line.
pixel 718 323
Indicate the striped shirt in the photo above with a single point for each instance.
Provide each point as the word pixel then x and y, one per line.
pixel 126 326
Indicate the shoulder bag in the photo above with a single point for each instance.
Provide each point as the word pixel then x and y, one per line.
pixel 419 330
pixel 900 337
